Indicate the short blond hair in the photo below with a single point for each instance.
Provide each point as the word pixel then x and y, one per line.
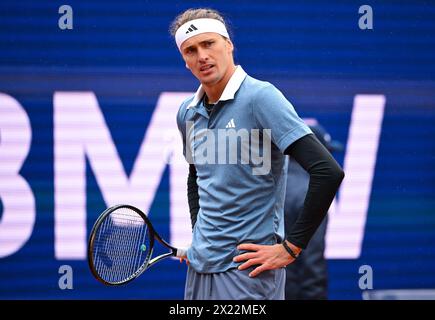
pixel 192 14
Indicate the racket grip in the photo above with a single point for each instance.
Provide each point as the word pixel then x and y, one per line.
pixel 181 252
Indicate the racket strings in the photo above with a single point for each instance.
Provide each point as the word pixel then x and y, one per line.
pixel 121 246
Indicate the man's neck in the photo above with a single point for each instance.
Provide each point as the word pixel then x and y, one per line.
pixel 214 92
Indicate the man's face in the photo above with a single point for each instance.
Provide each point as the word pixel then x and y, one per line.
pixel 209 57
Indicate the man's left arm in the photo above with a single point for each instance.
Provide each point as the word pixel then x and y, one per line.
pixel 293 137
pixel 325 178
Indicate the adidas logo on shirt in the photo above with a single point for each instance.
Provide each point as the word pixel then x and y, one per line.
pixel 191 28
pixel 231 124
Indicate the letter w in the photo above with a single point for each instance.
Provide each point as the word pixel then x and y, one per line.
pixel 347 217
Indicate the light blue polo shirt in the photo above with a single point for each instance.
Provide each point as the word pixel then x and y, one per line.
pixel 236 205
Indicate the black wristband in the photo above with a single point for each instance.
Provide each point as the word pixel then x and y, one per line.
pixel 289 250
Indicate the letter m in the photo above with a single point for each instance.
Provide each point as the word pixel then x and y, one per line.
pixel 80 133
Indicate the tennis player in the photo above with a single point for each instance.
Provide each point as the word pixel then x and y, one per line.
pixel 239 250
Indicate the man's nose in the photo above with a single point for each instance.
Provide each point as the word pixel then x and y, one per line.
pixel 202 55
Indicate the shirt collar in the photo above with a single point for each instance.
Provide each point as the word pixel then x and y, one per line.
pixel 230 89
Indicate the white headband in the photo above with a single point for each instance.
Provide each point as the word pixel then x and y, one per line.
pixel 198 26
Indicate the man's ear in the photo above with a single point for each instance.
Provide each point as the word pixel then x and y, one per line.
pixel 230 45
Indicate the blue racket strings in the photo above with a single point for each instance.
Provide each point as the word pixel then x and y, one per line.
pixel 121 246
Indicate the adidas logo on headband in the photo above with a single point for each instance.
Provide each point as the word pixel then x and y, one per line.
pixel 191 28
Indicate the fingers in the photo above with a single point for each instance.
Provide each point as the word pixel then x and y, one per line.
pixel 244 256
pixel 264 257
pixel 249 246
pixel 249 263
pixel 251 257
pixel 258 270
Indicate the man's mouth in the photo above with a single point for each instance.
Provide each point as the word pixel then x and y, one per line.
pixel 206 67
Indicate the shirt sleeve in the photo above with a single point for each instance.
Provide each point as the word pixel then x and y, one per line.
pixel 273 111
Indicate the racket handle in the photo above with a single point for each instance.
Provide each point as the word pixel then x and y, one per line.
pixel 181 252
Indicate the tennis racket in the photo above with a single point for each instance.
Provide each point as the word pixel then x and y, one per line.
pixel 121 245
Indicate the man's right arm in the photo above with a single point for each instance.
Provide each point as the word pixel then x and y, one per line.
pixel 192 194
pixel 192 186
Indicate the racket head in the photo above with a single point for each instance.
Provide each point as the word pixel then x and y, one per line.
pixel 120 245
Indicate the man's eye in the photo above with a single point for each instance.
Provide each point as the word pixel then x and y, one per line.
pixel 209 43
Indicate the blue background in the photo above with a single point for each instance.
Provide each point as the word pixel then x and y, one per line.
pixel 313 51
